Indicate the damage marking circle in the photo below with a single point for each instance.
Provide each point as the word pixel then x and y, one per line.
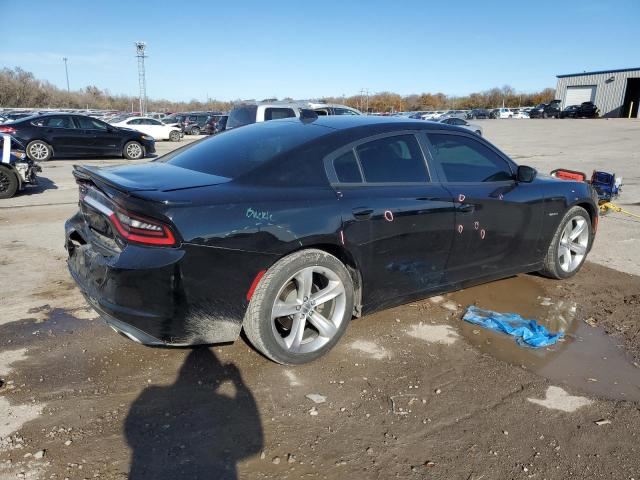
pixel 476 225
pixel 461 198
pixel 482 234
pixel 500 196
pixel 460 228
pixel 388 215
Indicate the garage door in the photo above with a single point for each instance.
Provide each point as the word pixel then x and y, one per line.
pixel 577 95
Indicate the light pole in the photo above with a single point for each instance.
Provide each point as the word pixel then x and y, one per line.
pixel 66 69
pixel 142 82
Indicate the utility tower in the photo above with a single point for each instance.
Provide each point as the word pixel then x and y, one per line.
pixel 142 82
pixel 65 59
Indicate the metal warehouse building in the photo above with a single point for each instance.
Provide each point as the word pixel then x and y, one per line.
pixel 615 92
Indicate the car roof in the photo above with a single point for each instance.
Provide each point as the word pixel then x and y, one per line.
pixel 343 122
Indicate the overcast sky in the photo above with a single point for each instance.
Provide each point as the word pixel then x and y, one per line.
pixel 242 49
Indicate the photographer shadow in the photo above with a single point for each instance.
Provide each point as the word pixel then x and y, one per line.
pixel 190 429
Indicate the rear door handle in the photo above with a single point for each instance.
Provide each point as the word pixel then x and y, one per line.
pixel 362 213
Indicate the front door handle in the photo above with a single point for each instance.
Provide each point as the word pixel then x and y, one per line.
pixel 466 207
pixel 362 213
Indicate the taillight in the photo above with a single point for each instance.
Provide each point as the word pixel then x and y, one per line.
pixel 142 230
pixel 5 129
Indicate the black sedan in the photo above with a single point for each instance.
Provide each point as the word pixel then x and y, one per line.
pixel 16 170
pixel 66 135
pixel 287 229
pixel 584 110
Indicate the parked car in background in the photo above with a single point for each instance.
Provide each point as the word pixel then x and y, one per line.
pixel 478 113
pixel 60 135
pixel 504 113
pixel 546 110
pixel 215 124
pixel 175 120
pixel 193 123
pixel 520 113
pixel 16 169
pixel 332 109
pixel 152 127
pixel 423 208
pixel 459 122
pixel 432 115
pixel 584 110
pixel 248 113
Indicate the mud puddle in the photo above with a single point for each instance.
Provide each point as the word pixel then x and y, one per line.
pixel 586 358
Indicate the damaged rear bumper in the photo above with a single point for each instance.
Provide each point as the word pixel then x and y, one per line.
pixel 160 296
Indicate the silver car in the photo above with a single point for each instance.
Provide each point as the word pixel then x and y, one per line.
pixel 459 122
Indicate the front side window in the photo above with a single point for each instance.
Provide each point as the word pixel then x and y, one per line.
pixel 396 159
pixel 136 121
pixel 464 159
pixel 277 113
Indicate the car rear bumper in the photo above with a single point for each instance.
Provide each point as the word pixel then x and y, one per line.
pixel 163 296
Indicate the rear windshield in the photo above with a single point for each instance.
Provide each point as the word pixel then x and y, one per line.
pixel 242 115
pixel 239 151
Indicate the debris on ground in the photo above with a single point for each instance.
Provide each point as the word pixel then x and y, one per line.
pixel 528 332
pixel 316 397
pixel 602 422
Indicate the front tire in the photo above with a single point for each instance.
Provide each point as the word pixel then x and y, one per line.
pixel 8 183
pixel 195 131
pixel 39 151
pixel 133 151
pixel 174 136
pixel 300 308
pixel 569 246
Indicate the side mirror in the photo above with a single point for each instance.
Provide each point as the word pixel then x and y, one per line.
pixel 526 174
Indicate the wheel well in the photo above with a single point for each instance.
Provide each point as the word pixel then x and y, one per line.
pixel 590 210
pixel 347 259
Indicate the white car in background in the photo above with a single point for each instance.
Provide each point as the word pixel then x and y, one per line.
pixel 152 127
pixel 521 114
pixel 504 113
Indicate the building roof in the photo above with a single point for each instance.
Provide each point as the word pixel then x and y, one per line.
pixel 598 72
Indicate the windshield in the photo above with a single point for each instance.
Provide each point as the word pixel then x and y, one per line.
pixel 241 150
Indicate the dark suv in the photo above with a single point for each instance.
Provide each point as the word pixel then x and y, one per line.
pixel 478 113
pixel 194 123
pixel 546 110
pixel 584 110
pixel 215 124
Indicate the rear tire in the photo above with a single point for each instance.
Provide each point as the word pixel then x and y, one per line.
pixel 569 246
pixel 8 183
pixel 195 131
pixel 39 151
pixel 133 151
pixel 294 286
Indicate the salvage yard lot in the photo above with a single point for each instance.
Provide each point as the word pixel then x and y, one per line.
pixel 410 392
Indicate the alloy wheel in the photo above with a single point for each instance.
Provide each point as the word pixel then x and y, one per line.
pixel 5 183
pixel 38 151
pixel 134 150
pixel 573 243
pixel 308 310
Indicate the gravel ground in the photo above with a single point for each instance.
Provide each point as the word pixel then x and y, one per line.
pixel 411 392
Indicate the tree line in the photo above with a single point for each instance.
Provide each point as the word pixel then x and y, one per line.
pixel 20 89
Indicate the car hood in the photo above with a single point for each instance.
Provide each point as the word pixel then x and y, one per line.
pixel 152 176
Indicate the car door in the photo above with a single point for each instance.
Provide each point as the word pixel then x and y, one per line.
pixel 60 132
pixel 497 220
pixel 396 221
pixel 106 139
pixel 156 129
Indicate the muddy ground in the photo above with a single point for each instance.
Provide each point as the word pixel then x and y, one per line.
pixel 412 392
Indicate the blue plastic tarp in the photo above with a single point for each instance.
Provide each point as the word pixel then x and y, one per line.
pixel 527 332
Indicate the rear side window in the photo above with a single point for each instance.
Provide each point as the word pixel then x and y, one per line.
pixel 241 150
pixel 392 160
pixel 90 123
pixel 242 115
pixel 347 169
pixel 54 122
pixel 277 113
pixel 464 159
